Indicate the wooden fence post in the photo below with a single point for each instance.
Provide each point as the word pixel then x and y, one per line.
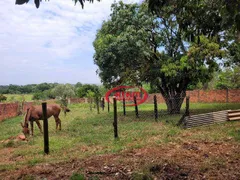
pixel 108 105
pixel 90 103
pixel 187 113
pixel 124 107
pixel 115 125
pixel 187 106
pixel 227 93
pixel 136 107
pixel 97 104
pixel 155 108
pixel 45 128
pixel 103 103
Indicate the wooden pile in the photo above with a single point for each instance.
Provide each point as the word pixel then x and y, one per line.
pixel 234 115
pixel 210 118
pixel 205 119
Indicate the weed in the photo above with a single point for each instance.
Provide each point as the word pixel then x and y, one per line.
pixel 76 176
pixel 235 134
pixel 10 143
pixel 141 176
pixel 93 178
pixel 33 161
pixel 28 177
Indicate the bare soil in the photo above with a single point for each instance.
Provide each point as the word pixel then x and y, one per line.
pixel 187 160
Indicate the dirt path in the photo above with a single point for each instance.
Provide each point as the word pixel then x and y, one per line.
pixel 194 160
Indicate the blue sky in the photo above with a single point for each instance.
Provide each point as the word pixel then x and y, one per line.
pixel 50 44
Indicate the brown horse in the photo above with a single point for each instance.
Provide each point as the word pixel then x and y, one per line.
pixel 34 113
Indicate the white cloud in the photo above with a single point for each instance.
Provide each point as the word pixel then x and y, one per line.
pixel 52 43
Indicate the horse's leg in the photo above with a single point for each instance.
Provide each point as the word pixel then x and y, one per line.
pixel 31 122
pixel 58 122
pixel 39 126
pixel 60 125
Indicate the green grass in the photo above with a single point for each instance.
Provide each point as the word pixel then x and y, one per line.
pixel 76 176
pixel 85 133
pixel 18 97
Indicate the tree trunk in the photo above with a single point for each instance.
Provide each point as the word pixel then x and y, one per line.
pixel 238 36
pixel 174 103
pixel 90 103
pixel 173 93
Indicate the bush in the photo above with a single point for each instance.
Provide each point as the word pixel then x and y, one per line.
pixel 39 96
pixel 2 98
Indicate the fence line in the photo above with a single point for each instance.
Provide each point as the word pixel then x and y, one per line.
pixel 9 110
pixel 209 96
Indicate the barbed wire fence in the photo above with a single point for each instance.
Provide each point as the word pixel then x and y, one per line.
pixel 167 110
pixel 153 111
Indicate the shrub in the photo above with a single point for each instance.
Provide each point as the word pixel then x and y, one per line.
pixel 2 98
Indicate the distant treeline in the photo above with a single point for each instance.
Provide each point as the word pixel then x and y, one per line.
pixel 26 89
pixel 45 91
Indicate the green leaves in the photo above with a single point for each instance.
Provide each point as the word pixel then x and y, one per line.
pixel 122 44
pixel 88 90
pixel 2 98
pixel 229 78
pixel 234 53
pixel 64 91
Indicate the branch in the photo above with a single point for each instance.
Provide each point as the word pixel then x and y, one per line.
pixel 37 2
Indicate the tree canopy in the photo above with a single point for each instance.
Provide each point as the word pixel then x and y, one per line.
pixel 218 19
pixel 44 91
pixel 229 78
pixel 37 2
pixel 82 91
pixel 136 46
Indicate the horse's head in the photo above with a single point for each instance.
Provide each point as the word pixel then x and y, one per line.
pixel 24 125
pixel 25 129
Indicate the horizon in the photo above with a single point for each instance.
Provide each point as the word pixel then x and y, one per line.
pixel 49 83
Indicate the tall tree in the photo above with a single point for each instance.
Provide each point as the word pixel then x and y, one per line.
pixel 64 91
pixel 37 2
pixel 124 43
pixel 134 45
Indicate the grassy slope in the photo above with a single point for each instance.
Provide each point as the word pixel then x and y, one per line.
pixel 85 133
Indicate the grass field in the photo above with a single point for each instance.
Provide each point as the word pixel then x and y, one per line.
pixel 18 97
pixel 86 134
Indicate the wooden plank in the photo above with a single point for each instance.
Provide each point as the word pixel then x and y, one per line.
pixel 201 124
pixel 233 111
pixel 219 112
pixel 212 117
pixel 234 118
pixel 234 114
pixel 206 119
pixel 209 118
